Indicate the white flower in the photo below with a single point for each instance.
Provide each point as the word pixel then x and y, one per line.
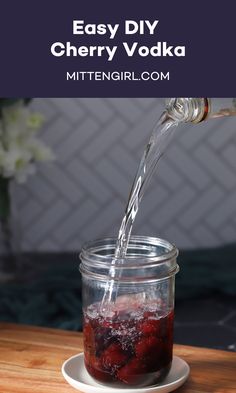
pixel 35 121
pixel 39 151
pixel 13 113
pixel 19 147
pixel 15 162
pixel 11 135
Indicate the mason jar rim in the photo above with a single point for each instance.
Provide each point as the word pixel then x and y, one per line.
pixel 90 251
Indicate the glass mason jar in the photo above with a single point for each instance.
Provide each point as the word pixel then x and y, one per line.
pixel 128 339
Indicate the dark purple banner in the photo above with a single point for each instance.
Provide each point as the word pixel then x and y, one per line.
pixel 117 49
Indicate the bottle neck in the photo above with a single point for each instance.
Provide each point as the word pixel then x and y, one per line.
pixel 195 110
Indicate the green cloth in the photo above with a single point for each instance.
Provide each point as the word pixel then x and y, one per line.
pixel 207 271
pixel 52 300
pixel 53 297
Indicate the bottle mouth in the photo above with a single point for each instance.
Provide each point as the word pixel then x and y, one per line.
pixel 177 109
pixel 185 110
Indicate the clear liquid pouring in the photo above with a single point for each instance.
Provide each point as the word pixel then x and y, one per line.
pixel 178 110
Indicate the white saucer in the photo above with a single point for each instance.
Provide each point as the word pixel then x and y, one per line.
pixel 76 375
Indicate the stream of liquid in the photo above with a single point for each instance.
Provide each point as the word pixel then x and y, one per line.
pixel 159 140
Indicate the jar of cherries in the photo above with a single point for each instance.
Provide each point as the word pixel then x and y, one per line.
pixel 128 339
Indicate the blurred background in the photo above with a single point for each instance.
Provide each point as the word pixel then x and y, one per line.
pixel 85 157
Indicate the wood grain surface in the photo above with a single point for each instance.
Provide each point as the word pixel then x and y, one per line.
pixel 31 359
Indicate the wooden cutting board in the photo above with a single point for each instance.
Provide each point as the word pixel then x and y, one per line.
pixel 31 359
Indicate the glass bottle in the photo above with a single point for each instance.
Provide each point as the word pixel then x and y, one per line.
pixel 129 340
pixel 196 110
